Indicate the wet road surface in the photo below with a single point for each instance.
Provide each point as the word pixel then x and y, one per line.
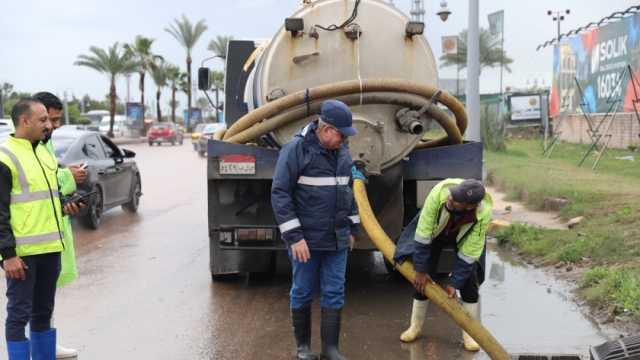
pixel 145 291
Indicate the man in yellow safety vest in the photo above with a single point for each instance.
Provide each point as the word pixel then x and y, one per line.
pixel 31 236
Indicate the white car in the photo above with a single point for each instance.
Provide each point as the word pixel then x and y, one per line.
pixel 6 128
pixel 119 127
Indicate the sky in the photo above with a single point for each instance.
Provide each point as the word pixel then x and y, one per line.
pixel 40 40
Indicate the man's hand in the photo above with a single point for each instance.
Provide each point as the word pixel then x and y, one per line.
pixel 300 251
pixel 421 281
pixel 79 174
pixel 451 291
pixel 352 242
pixel 15 268
pixel 72 208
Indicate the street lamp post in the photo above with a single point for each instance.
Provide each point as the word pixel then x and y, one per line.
pixel 473 72
pixel 558 17
pixel 216 85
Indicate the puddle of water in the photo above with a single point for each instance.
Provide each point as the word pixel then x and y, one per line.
pixel 529 311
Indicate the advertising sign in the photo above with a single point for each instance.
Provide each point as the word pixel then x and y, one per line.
pixel 450 45
pixel 598 59
pixel 525 107
pixel 135 114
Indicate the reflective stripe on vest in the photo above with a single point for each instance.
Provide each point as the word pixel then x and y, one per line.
pixel 25 195
pixel 34 239
pixel 323 181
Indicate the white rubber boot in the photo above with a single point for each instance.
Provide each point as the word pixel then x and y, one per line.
pixel 418 313
pixel 64 353
pixel 474 311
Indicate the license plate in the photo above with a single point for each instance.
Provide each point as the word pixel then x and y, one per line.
pixel 237 165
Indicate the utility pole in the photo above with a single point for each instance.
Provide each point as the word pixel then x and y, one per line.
pixel 66 109
pixel 473 72
pixel 558 17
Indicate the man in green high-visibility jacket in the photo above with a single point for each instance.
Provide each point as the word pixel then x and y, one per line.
pixel 31 237
pixel 68 178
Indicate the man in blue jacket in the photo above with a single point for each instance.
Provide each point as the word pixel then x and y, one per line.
pixel 317 216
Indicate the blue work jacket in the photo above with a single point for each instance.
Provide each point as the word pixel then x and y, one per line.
pixel 311 193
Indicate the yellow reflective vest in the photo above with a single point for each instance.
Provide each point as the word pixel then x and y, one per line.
pixel 36 213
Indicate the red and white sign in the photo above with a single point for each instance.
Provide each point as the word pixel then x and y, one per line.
pixel 237 164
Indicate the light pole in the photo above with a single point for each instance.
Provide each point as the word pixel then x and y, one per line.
pixel 558 17
pixel 216 85
pixel 473 72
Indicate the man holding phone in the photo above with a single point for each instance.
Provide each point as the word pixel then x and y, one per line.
pixel 68 178
pixel 31 237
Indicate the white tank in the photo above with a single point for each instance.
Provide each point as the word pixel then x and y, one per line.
pixel 312 57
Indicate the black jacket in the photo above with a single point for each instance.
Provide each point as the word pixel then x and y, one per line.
pixel 7 240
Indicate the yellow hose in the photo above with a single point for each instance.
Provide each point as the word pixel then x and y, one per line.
pixel 345 88
pixel 432 291
pixel 252 125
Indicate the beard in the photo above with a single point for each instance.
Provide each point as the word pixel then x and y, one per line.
pixel 46 136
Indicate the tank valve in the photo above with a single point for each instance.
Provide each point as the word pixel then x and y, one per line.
pixel 409 121
pixel 353 31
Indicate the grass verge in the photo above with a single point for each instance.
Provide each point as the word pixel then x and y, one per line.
pixel 607 241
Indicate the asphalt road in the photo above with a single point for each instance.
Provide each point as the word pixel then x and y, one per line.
pixel 145 291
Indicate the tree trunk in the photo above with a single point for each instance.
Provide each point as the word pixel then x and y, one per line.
pixel 158 105
pixel 142 74
pixel 112 106
pixel 173 103
pixel 189 93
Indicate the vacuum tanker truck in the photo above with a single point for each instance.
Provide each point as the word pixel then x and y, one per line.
pixel 366 53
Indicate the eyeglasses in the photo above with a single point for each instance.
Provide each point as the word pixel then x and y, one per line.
pixel 336 130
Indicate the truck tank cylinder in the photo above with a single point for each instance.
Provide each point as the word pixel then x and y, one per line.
pixel 297 60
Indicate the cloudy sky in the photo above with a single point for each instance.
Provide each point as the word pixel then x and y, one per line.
pixel 40 40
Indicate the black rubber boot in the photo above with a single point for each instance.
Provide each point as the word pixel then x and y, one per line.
pixel 330 334
pixel 302 330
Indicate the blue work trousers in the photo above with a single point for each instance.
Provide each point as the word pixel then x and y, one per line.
pixel 325 269
pixel 31 300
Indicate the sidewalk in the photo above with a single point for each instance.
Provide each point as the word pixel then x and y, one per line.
pixel 129 140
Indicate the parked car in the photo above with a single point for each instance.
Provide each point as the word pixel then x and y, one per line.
pixel 165 132
pixel 112 173
pixel 207 134
pixel 119 125
pixel 196 134
pixel 6 128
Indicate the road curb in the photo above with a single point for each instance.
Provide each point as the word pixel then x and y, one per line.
pixel 129 141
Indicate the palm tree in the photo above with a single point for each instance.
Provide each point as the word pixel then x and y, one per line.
pixel 159 76
pixel 5 91
pixel 490 54
pixel 140 49
pixel 187 35
pixel 173 77
pixel 113 62
pixel 219 45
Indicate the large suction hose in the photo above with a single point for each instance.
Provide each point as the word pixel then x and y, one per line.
pixel 454 135
pixel 432 291
pixel 283 104
pixel 381 91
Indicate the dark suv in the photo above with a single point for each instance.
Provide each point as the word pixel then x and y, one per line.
pixel 165 132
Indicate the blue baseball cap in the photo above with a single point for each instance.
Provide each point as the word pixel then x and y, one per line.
pixel 337 114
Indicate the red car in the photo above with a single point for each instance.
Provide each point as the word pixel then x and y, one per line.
pixel 167 132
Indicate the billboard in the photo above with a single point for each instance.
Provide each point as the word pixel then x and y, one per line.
pixel 135 114
pixel 598 59
pixel 525 107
